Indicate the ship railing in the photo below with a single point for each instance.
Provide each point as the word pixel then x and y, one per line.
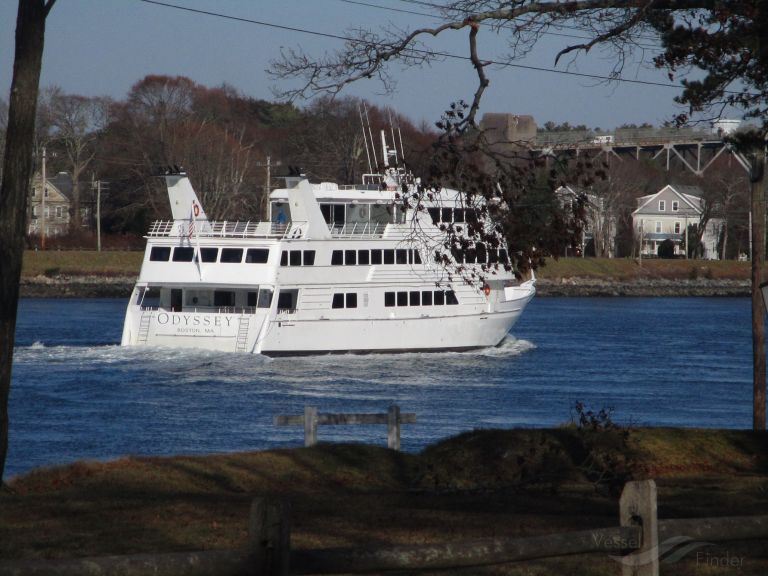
pixel 207 309
pixel 357 230
pixel 225 229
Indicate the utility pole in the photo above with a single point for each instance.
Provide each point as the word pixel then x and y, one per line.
pixel 42 206
pixel 98 215
pixel 758 307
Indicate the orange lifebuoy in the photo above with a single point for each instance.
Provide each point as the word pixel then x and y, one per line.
pixel 196 209
pixel 487 290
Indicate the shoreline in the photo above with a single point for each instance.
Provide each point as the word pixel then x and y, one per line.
pixel 121 286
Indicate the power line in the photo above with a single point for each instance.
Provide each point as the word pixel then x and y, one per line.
pixel 411 50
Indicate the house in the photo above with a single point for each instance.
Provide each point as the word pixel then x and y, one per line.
pixel 599 225
pixel 54 208
pixel 667 214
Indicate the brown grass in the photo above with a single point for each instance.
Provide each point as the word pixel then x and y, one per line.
pixel 354 495
pixel 81 263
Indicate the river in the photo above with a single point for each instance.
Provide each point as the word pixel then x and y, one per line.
pixel 76 394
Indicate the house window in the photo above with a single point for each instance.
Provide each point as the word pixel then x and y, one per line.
pixel 675 206
pixel 658 227
pixel 59 212
pixel 677 227
pixel 34 212
pixel 662 205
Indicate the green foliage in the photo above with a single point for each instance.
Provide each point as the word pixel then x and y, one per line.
pixel 666 249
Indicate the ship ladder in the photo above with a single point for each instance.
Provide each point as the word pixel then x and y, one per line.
pixel 242 333
pixel 146 319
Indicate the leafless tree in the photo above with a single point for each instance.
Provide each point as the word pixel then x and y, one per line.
pixel 76 122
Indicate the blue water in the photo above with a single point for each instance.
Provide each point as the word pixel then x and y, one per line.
pixel 77 395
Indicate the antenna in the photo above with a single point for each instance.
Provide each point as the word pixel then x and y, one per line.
pixel 392 131
pixel 365 138
pixel 370 134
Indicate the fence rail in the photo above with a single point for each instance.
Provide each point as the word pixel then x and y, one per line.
pixel 635 545
pixel 311 419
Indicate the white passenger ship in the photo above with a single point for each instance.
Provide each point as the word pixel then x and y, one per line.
pixel 335 269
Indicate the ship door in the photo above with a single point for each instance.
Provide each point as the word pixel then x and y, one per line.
pixel 176 299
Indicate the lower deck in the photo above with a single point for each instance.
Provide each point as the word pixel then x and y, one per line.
pixel 322 319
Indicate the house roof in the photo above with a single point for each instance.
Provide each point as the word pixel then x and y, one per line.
pixel 63 183
pixel 691 195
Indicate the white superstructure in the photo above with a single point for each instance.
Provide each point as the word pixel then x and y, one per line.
pixel 335 269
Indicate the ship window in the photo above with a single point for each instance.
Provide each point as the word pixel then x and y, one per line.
pixel 439 297
pixel 414 298
pixel 338 301
pixel 402 298
pixel 389 256
pixel 450 298
pixel 503 256
pixel 257 256
pixel 350 257
pixel 389 299
pixel 338 213
pixel 401 256
pixel 287 300
pixel 231 255
pixel 493 257
pixel 284 258
pixel 309 258
pixel 253 298
pixel 470 256
pixel 295 258
pixel 184 254
pixel 482 256
pixel 351 299
pixel 458 214
pixel 426 298
pixel 415 257
pixel 326 211
pixel 363 257
pixel 223 298
pixel 265 298
pixel 446 214
pixel 151 297
pixel 209 254
pixel 160 253
pixel 375 256
pixel 434 214
pixel 337 258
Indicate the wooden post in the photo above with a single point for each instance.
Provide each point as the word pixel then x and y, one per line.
pixel 310 425
pixel 269 538
pixel 393 427
pixel 637 507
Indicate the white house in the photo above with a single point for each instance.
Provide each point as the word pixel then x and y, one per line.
pixel 667 214
pixel 599 224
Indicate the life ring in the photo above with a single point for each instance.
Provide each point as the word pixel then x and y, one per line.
pixel 487 290
pixel 196 209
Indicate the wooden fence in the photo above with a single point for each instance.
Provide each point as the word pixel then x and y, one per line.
pixel 634 543
pixel 312 419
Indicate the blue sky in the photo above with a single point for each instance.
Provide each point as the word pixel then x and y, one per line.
pixel 102 47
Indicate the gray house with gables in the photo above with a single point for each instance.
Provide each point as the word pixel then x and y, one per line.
pixel 667 214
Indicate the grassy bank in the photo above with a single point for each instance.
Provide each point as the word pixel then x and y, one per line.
pixel 79 263
pixel 480 484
